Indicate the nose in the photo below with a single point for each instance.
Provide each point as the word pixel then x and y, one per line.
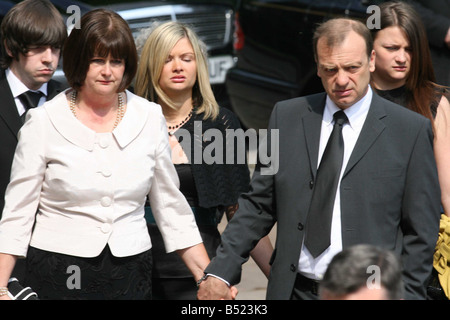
pixel 106 70
pixel 341 78
pixel 401 56
pixel 176 65
pixel 47 54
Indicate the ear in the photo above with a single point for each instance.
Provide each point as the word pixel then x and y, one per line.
pixel 7 49
pixel 372 59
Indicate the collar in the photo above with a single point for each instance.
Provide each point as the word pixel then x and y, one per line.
pixel 68 126
pixel 18 87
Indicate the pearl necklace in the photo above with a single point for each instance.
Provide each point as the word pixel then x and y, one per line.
pixel 173 128
pixel 120 109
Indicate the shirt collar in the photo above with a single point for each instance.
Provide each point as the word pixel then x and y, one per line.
pixel 356 113
pixel 18 87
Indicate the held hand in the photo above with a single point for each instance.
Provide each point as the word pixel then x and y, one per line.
pixel 215 289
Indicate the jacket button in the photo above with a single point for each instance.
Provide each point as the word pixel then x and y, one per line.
pixel 311 184
pixel 300 226
pixel 293 268
pixel 106 228
pixel 105 201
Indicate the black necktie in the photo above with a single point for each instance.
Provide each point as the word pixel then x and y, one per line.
pixel 29 99
pixel 318 224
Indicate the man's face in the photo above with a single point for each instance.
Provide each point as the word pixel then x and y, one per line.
pixel 345 69
pixel 37 66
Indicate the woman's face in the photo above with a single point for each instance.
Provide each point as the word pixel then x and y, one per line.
pixel 179 73
pixel 393 58
pixel 104 75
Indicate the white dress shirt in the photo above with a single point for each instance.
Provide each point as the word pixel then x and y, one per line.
pixel 17 88
pixel 89 189
pixel 356 114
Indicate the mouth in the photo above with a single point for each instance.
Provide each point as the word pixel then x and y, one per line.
pixel 46 71
pixel 178 79
pixel 400 68
pixel 342 93
pixel 105 82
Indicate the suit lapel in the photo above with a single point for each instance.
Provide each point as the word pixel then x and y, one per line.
pixel 312 124
pixel 372 128
pixel 8 109
pixel 53 88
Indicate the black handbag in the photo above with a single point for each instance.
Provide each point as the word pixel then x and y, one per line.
pixel 434 288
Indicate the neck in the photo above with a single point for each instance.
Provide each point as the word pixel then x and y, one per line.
pixel 381 84
pixel 181 109
pixel 102 104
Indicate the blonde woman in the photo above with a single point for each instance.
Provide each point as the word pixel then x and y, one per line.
pixel 173 72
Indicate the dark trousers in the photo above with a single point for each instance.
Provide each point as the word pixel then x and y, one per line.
pixel 305 289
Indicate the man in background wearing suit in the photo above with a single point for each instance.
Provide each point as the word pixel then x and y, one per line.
pixel 435 15
pixel 387 191
pixel 32 33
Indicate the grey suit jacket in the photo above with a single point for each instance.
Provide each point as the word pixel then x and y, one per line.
pixel 390 195
pixel 10 124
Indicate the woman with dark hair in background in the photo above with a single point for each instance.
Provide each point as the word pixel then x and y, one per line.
pixel 404 74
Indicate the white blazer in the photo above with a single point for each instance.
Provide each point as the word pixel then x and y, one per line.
pixel 89 189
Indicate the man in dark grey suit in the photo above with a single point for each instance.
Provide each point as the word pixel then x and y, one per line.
pixel 388 193
pixel 32 34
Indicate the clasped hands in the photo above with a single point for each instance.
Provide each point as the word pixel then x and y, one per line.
pixel 213 288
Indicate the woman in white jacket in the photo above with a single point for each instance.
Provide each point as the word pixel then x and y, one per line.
pixel 84 164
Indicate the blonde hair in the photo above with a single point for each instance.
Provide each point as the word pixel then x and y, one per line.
pixel 153 54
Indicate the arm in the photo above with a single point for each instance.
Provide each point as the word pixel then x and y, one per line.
pixel 195 258
pixel 262 252
pixel 420 214
pixel 7 263
pixel 442 151
pixel 253 221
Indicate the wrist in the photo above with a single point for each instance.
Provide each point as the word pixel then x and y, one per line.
pixel 3 291
pixel 199 281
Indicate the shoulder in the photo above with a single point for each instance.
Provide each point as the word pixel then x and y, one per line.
pixel 302 104
pixel 142 104
pixel 395 111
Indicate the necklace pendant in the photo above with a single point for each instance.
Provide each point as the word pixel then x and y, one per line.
pixel 171 133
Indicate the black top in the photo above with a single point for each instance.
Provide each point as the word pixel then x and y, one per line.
pixel 187 184
pixel 399 96
pixel 218 184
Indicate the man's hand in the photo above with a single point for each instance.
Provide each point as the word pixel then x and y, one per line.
pixel 215 289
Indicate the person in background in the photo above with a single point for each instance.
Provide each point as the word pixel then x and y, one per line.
pixel 86 161
pixel 363 272
pixel 173 72
pixel 435 15
pixel 404 74
pixel 33 33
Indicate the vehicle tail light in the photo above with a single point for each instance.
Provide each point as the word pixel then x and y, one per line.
pixel 238 35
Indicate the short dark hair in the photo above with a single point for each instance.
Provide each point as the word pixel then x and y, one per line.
pixel 102 32
pixel 348 271
pixel 31 23
pixel 336 30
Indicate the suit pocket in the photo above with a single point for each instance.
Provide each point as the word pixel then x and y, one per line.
pixel 384 173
